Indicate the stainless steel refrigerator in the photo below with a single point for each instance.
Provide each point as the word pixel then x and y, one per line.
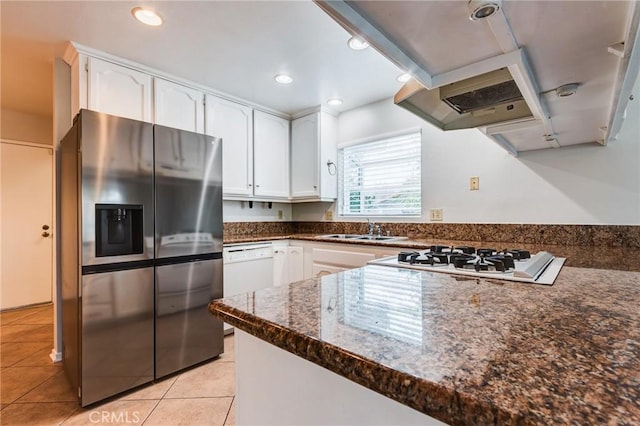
pixel 141 252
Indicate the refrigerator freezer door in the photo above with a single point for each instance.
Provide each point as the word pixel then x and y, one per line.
pixel 186 332
pixel 117 332
pixel 112 149
pixel 188 193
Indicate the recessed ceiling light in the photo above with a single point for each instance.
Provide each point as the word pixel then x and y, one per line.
pixel 334 102
pixel 567 90
pixel 146 16
pixel 403 78
pixel 357 43
pixel 283 79
pixel 481 9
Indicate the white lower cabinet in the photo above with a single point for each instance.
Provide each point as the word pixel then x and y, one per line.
pixel 329 261
pixel 280 263
pixel 320 258
pixel 320 269
pixel 287 263
pixel 295 264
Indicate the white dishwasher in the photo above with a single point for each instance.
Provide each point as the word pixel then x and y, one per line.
pixel 247 268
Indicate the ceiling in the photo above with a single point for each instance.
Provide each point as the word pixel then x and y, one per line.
pixel 235 47
pixel 563 41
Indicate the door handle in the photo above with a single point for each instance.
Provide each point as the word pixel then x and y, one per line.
pixel 45 234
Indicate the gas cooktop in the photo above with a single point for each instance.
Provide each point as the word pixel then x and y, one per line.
pixel 513 265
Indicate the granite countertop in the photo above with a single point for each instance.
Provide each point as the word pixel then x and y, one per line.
pixel 618 258
pixel 465 350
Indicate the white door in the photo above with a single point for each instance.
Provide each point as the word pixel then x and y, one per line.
pixel 178 106
pixel 27 201
pixel 234 124
pixel 270 155
pixel 118 90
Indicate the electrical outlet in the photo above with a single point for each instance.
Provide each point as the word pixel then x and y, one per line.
pixel 280 214
pixel 474 183
pixel 435 215
pixel 328 215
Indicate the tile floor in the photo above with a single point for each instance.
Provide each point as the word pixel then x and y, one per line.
pixel 34 391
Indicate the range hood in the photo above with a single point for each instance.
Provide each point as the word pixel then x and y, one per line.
pixel 437 43
pixel 485 99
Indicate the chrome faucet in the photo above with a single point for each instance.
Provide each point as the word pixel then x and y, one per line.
pixel 372 226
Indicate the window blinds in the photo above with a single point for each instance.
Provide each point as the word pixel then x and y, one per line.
pixel 381 177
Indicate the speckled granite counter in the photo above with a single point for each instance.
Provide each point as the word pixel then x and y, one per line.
pixel 466 350
pixel 618 258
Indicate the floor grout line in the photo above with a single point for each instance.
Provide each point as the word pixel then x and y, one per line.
pixel 229 410
pixel 151 412
pixel 78 410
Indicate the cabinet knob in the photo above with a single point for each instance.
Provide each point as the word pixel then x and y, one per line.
pixel 250 185
pixel 45 234
pixel 257 186
pixel 315 187
pixel 45 227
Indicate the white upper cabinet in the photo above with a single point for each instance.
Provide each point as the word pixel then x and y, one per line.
pixel 234 124
pixel 178 106
pixel 314 157
pixel 117 90
pixel 256 145
pixel 271 155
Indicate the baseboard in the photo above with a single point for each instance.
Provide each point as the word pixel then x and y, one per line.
pixel 55 356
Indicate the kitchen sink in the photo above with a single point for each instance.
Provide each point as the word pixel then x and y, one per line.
pixel 342 236
pixel 381 238
pixel 363 237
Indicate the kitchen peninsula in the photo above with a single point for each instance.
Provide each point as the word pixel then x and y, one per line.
pixel 458 349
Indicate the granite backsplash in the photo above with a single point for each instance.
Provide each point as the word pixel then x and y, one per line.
pixel 624 236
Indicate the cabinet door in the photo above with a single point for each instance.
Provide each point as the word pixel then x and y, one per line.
pixel 117 90
pixel 279 266
pixel 320 269
pixel 271 155
pixel 304 156
pixel 178 106
pixel 328 161
pixel 234 124
pixel 294 264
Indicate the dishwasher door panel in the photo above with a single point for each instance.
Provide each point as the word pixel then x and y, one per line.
pixel 247 273
pixel 186 332
pixel 117 332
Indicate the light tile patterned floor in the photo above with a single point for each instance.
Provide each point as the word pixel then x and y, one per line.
pixel 34 391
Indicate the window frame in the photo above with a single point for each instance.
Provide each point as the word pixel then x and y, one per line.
pixel 340 208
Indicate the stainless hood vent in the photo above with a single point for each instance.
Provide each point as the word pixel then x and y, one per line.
pixel 488 98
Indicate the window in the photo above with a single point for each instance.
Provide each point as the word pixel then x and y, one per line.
pixel 381 177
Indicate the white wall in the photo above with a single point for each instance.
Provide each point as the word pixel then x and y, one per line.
pixel 239 211
pixel 587 184
pixel 20 126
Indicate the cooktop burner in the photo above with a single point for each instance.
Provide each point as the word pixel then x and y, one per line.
pixel 509 264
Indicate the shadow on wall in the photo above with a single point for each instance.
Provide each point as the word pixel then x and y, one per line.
pixel 20 126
